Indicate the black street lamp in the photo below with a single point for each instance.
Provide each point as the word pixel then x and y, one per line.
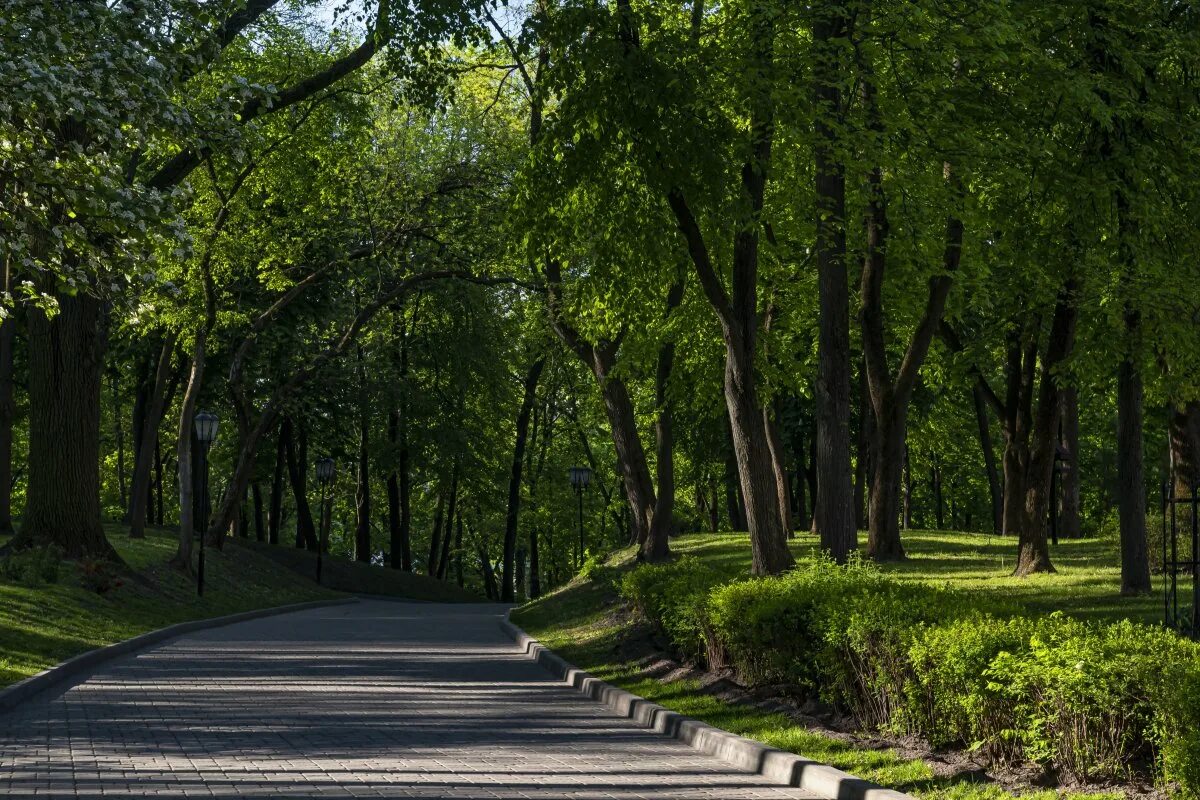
pixel 206 424
pixel 324 476
pixel 580 478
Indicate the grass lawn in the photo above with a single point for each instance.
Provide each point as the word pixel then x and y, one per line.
pixel 584 622
pixel 43 625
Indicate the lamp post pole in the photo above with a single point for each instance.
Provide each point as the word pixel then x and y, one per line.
pixel 206 424
pixel 580 478
pixel 324 476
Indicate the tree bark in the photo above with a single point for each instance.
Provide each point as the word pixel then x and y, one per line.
pixel 296 454
pixel 7 412
pixel 260 533
pixel 1069 442
pixel 362 494
pixel 783 490
pixel 435 538
pixel 1185 447
pixel 62 500
pixel 1131 481
pixel 148 439
pixel 989 458
pixel 1033 547
pixel 834 513
pixel 657 546
pixel 452 508
pixel 274 516
pixel 528 398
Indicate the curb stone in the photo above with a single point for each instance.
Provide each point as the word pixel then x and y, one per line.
pixel 778 766
pixel 48 678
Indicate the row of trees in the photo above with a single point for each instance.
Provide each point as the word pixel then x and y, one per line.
pixel 823 267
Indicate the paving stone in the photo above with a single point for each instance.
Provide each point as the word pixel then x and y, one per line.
pixel 377 699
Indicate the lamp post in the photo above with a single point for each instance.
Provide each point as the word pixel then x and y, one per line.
pixel 206 424
pixel 324 476
pixel 580 478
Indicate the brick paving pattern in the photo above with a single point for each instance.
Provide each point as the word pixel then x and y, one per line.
pixel 377 699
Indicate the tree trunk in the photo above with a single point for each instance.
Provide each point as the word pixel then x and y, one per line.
pixel 158 481
pixel 119 435
pixel 657 546
pixel 783 490
pixel 529 396
pixel 939 502
pixel 452 508
pixel 1069 441
pixel 62 499
pixel 802 522
pixel 1131 482
pixel 260 533
pixel 184 455
pixel 989 458
pixel 435 538
pixel 907 510
pixel 887 462
pixel 630 455
pixel 274 516
pixel 297 459
pixel 733 493
pixel 362 494
pixel 7 413
pixel 862 462
pixel 835 491
pixel 1033 546
pixel 147 439
pixel 1185 447
pixel 458 538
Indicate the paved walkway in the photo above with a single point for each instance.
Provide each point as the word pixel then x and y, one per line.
pixel 376 699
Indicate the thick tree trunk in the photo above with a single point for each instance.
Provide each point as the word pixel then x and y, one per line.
pixel 769 550
pixel 1069 442
pixel 1185 447
pixel 889 435
pixel 147 440
pixel 1131 482
pixel 907 519
pixel 274 516
pixel 995 493
pixel 158 481
pixel 1033 546
pixel 62 499
pixel 835 492
pixel 631 455
pixel 297 459
pixel 529 396
pixel 119 436
pixel 657 546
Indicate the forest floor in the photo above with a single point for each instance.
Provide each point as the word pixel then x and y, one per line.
pixel 586 622
pixel 45 624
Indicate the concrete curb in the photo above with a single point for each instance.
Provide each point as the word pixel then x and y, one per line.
pixel 775 765
pixel 48 678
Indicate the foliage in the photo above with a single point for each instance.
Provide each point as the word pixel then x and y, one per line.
pixel 1095 701
pixel 32 566
pixel 99 575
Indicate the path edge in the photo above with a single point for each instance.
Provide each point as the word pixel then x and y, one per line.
pixel 21 691
pixel 776 765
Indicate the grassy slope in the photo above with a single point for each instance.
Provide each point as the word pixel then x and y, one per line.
pixel 350 576
pixel 43 625
pixel 584 623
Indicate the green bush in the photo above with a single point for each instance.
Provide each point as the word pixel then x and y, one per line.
pixel 32 567
pixel 673 597
pixel 1092 701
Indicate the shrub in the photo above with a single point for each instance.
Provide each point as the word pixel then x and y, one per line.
pixel 99 575
pixel 32 567
pixel 673 597
pixel 949 700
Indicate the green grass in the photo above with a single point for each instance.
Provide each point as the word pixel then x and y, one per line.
pixel 43 625
pixel 585 624
pixel 351 576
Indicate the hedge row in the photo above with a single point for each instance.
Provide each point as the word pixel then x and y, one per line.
pixel 1093 701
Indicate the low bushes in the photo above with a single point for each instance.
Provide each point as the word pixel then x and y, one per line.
pixel 32 567
pixel 1090 701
